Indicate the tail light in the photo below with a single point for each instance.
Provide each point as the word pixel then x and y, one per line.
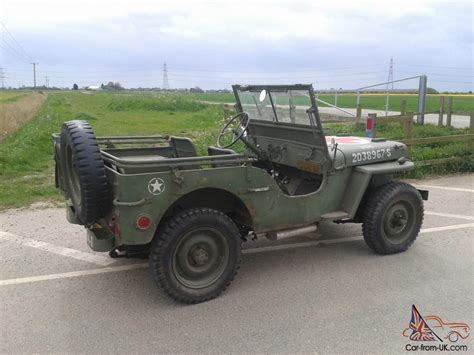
pixel 143 222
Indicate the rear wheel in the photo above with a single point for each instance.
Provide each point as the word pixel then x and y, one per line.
pixel 196 255
pixel 392 218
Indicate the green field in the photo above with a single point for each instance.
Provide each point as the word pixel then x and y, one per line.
pixel 26 165
pixel 462 104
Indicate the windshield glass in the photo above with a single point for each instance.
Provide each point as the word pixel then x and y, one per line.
pixel 276 105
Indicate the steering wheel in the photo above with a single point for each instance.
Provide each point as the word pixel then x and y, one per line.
pixel 237 130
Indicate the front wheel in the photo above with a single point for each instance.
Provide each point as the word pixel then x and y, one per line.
pixel 392 218
pixel 196 255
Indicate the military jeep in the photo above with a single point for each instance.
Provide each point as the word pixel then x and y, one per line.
pixel 153 196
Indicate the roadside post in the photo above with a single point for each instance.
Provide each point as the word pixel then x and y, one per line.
pixel 370 125
pixel 421 100
pixel 471 129
pixel 408 128
pixel 441 111
pixel 359 111
pixel 403 107
pixel 450 111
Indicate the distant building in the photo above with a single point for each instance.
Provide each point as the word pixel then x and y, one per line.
pixel 94 87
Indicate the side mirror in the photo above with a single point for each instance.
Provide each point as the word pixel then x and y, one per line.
pixel 263 95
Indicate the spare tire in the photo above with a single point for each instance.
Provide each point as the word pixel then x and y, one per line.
pixel 84 172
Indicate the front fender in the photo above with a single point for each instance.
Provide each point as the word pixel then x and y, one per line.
pixel 388 167
pixel 360 178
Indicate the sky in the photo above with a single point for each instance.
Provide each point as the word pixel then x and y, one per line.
pixel 214 44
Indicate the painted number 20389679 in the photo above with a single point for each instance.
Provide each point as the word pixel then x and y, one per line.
pixel 371 155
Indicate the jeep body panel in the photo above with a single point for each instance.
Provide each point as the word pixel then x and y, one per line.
pixel 257 190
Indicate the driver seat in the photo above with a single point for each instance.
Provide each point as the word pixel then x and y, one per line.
pixel 211 150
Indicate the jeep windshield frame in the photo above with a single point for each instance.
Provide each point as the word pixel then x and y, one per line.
pixel 280 104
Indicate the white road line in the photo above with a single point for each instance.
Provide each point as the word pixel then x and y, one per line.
pixel 55 249
pixel 67 275
pixel 447 228
pixel 105 260
pixel 105 270
pixel 470 218
pixel 444 188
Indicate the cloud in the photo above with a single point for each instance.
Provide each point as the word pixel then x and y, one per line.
pixel 240 36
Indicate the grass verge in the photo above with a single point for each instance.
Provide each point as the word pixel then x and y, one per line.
pixel 18 110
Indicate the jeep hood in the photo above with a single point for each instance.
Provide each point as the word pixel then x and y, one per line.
pixel 353 151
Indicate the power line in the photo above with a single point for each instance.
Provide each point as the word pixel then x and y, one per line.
pixel 436 74
pixel 17 43
pixel 305 77
pixel 449 81
pixel 279 70
pixel 434 66
pixel 12 50
pixel 266 72
pixel 285 77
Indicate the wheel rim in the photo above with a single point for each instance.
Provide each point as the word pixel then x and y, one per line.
pixel 200 258
pixel 398 222
pixel 73 177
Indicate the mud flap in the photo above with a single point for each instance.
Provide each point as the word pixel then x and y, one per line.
pixel 70 214
pixel 100 240
pixel 424 194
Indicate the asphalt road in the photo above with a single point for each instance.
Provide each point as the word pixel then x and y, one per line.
pixel 321 293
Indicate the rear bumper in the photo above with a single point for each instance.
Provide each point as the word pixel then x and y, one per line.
pixel 99 238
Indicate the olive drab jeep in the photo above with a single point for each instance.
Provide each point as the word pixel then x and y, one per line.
pixel 153 196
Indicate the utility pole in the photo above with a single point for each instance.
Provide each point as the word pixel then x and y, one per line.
pixel 47 81
pixel 2 78
pixel 166 84
pixel 389 82
pixel 34 73
pixel 390 73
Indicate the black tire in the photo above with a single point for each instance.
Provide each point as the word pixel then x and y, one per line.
pixel 84 172
pixel 59 178
pixel 392 218
pixel 196 255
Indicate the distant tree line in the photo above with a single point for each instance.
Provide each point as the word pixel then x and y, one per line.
pixel 111 86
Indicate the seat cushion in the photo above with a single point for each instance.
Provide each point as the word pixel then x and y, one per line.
pixel 211 150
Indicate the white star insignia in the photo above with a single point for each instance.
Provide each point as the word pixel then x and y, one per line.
pixel 156 186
